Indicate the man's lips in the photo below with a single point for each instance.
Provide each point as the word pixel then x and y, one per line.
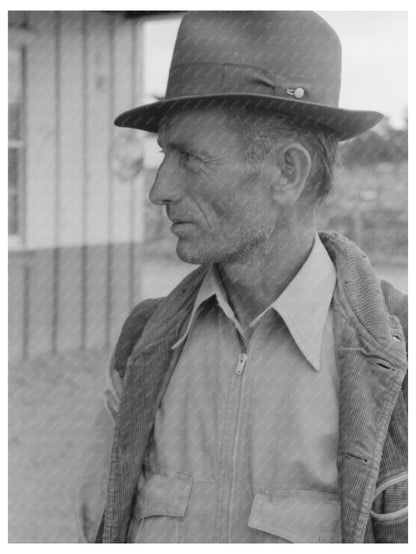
pixel 177 220
pixel 181 226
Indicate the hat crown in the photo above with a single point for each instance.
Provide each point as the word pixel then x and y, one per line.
pixel 283 62
pixel 221 52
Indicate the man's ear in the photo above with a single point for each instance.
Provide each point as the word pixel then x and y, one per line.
pixel 293 165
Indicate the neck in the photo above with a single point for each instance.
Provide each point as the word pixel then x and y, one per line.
pixel 254 283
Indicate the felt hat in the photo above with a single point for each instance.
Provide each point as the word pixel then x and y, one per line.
pixel 283 61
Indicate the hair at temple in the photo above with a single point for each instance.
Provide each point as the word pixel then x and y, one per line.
pixel 261 130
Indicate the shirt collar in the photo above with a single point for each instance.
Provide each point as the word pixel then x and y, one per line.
pixel 305 302
pixel 210 286
pixel 303 305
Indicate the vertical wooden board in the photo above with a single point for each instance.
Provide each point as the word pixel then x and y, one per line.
pixel 138 61
pixel 40 122
pixel 16 307
pixel 120 280
pixel 96 298
pixel 123 139
pixel 121 193
pixel 71 175
pixel 138 184
pixel 99 123
pixel 137 220
pixel 98 137
pixel 69 331
pixel 138 207
pixel 40 302
pixel 71 197
pixel 137 273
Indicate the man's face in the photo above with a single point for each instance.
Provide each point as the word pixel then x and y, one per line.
pixel 220 209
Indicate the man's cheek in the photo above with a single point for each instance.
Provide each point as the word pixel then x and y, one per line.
pixel 218 181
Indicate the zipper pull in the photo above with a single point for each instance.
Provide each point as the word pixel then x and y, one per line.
pixel 242 358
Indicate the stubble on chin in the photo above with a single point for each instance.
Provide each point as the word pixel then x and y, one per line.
pixel 214 252
pixel 194 255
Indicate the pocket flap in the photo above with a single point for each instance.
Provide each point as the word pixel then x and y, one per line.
pixel 297 516
pixel 162 492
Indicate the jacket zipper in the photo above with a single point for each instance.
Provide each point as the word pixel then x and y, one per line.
pixel 242 359
pixel 241 364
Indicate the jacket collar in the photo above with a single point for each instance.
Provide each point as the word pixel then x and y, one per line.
pixel 361 297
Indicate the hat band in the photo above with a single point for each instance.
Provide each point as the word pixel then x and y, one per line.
pixel 211 78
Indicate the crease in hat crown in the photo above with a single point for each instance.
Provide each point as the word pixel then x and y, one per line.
pixel 287 62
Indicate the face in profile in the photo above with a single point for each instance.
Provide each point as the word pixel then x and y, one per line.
pixel 219 208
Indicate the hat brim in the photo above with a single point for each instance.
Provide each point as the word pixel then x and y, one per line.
pixel 345 123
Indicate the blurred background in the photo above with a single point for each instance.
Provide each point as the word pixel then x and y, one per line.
pixel 85 244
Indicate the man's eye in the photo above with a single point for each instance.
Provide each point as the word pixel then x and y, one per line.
pixel 186 156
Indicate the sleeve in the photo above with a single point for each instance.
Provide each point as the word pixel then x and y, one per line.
pixel 90 496
pixel 389 512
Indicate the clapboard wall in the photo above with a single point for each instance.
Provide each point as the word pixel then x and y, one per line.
pixel 77 273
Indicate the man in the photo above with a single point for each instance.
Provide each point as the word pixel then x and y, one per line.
pixel 263 400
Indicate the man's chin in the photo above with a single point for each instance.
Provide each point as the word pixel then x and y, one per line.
pixel 200 254
pixel 193 253
pixel 188 253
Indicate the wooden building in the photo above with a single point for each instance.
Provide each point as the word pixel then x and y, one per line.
pixel 75 180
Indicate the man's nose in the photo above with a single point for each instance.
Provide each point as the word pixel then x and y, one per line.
pixel 166 187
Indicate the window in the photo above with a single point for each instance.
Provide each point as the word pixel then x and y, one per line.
pixel 16 144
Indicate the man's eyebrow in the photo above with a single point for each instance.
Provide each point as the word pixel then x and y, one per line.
pixel 182 145
pixel 176 143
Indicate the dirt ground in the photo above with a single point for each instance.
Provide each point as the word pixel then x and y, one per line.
pixel 51 404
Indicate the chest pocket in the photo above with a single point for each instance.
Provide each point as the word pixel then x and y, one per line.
pixel 296 516
pixel 161 500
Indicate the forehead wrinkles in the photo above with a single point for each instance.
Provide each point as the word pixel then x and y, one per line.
pixel 195 123
pixel 206 131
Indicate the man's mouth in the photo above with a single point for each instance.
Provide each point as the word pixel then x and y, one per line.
pixel 179 226
pixel 180 221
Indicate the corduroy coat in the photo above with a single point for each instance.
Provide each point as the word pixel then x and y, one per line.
pixel 370 325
